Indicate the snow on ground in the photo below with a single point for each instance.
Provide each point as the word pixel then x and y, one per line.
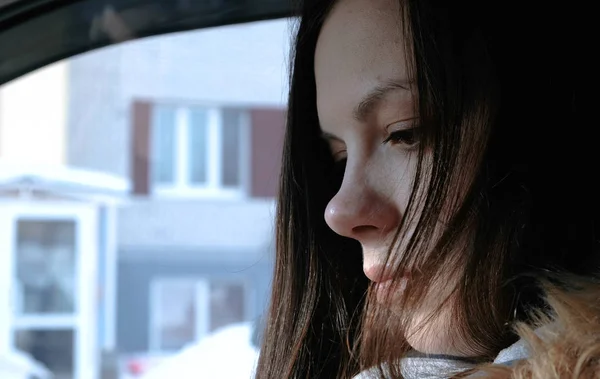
pixel 225 354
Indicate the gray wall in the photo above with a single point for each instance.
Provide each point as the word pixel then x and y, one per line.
pixel 136 274
pixel 244 225
pixel 97 116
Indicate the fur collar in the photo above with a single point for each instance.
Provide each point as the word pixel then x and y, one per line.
pixel 566 345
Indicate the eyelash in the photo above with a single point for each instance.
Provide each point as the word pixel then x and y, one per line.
pixel 408 137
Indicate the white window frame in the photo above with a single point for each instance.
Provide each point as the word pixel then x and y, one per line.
pixel 83 320
pixel 181 187
pixel 202 303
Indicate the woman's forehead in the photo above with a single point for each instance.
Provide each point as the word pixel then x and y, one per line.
pixel 360 46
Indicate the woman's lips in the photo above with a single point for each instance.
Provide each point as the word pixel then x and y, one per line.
pixel 386 283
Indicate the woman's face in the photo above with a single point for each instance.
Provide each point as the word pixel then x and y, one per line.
pixel 365 103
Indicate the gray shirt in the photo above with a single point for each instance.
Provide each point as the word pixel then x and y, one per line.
pixel 418 366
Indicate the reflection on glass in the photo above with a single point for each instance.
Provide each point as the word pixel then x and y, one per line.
pixel 163 145
pixel 226 304
pixel 198 146
pixel 53 348
pixel 231 147
pixel 177 310
pixel 45 267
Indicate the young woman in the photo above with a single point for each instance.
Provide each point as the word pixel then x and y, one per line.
pixel 438 195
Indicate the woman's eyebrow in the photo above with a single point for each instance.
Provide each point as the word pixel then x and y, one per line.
pixel 372 99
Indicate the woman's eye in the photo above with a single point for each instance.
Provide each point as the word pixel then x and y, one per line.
pixel 407 137
pixel 339 155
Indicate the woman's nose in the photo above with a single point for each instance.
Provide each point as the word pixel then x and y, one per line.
pixel 361 211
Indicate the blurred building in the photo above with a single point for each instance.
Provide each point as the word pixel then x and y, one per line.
pixel 137 194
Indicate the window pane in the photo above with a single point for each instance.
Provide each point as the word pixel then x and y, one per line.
pixel 124 118
pixel 45 265
pixel 231 148
pixel 226 304
pixel 53 348
pixel 176 314
pixel 163 145
pixel 198 147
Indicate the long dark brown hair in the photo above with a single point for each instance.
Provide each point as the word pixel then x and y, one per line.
pixel 506 161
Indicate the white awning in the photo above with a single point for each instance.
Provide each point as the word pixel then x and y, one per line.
pixel 62 181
